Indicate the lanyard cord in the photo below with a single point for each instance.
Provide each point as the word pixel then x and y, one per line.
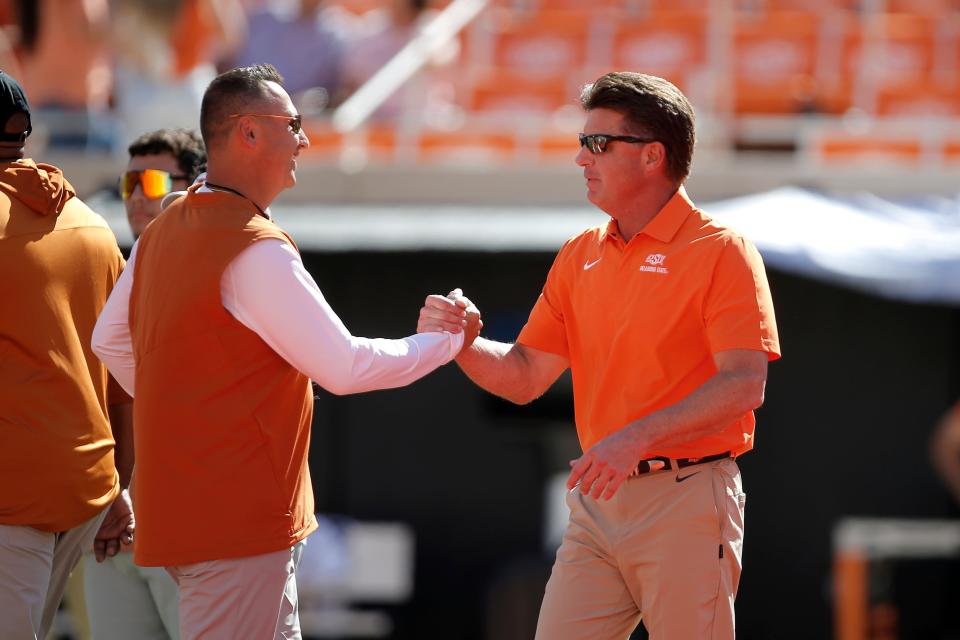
pixel 217 187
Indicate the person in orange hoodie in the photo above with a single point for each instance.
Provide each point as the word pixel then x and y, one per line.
pixel 217 328
pixel 60 489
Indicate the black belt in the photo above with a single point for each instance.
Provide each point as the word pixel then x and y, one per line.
pixel 645 466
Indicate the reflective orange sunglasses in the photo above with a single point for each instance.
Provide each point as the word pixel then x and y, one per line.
pixel 154 182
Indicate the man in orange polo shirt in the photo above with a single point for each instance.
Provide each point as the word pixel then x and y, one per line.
pixel 59 483
pixel 665 319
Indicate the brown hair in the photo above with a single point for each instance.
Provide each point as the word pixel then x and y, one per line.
pixel 652 107
pixel 183 144
pixel 232 92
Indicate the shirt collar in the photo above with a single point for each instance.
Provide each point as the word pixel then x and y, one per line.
pixel 666 223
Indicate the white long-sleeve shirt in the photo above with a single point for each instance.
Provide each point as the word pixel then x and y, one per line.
pixel 268 290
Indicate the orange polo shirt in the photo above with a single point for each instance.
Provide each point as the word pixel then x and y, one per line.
pixel 59 262
pixel 221 421
pixel 639 321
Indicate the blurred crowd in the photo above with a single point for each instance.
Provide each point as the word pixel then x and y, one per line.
pixel 101 72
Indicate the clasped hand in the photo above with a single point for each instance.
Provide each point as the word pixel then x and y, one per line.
pixel 452 313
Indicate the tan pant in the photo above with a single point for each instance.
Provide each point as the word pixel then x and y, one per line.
pixel 666 547
pixel 34 567
pixel 253 597
pixel 126 601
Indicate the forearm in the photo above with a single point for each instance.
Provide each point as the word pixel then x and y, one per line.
pixel 367 364
pixel 111 340
pixel 269 291
pixel 500 368
pixel 121 422
pixel 723 398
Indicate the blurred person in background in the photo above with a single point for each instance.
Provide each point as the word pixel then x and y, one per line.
pixel 217 329
pixel 65 56
pixel 65 425
pixel 665 319
pixel 378 36
pixel 945 450
pixel 161 162
pixel 124 600
pixel 305 41
pixel 165 54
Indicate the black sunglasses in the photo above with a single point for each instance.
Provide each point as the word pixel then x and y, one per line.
pixel 597 142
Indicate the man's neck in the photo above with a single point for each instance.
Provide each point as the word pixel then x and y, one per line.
pixel 637 218
pixel 240 185
pixel 10 153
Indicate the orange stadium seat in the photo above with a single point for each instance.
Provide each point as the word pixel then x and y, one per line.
pixel 504 91
pixel 927 7
pixel 906 46
pixel 580 6
pixel 810 6
pixel 951 151
pixel 325 141
pixel 861 149
pixel 919 98
pixel 774 62
pixel 466 146
pixel 670 45
pixel 377 141
pixel 649 7
pixel 558 147
pixel 549 43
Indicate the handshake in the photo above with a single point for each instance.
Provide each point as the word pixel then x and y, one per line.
pixel 453 313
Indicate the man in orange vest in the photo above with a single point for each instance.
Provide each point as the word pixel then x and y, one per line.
pixel 59 483
pixel 217 329
pixel 664 318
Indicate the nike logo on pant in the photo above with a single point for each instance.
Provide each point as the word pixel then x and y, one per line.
pixel 679 479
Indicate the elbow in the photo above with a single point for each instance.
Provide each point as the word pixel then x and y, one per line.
pixel 755 393
pixel 337 388
pixel 98 343
pixel 521 395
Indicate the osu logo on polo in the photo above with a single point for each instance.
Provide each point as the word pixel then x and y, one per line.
pixel 654 262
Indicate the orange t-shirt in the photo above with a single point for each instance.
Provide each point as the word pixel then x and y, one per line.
pixel 639 321
pixel 221 421
pixel 60 261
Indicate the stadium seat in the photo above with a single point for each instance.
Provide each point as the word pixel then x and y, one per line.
pixel 466 147
pixel 919 98
pixel 774 59
pixel 540 44
pixel 905 47
pixel 499 91
pixel 671 45
pixel 867 149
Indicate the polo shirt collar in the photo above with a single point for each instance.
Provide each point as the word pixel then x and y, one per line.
pixel 665 224
pixel 668 220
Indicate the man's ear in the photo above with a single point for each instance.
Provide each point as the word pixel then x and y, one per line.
pixel 654 155
pixel 248 132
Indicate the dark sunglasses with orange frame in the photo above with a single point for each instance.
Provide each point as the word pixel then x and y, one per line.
pixel 295 122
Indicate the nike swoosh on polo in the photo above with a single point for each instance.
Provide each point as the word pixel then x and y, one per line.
pixel 590 265
pixel 679 479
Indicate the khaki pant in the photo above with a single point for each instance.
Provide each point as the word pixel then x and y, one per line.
pixel 34 567
pixel 253 597
pixel 126 601
pixel 666 548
